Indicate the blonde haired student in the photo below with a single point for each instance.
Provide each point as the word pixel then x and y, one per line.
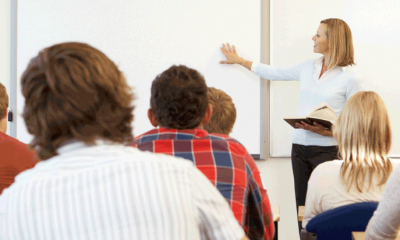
pixel 224 112
pixel 364 139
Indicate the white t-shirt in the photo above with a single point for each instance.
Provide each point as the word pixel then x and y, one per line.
pixel 326 190
pixel 114 192
pixel 385 223
pixel 334 87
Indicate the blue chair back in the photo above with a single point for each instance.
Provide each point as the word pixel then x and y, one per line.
pixel 338 223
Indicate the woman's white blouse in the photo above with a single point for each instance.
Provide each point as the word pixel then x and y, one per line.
pixel 334 87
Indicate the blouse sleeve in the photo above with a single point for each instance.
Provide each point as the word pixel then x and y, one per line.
pixel 354 86
pixel 385 223
pixel 279 73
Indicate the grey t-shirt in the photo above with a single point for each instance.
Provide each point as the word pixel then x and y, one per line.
pixel 385 222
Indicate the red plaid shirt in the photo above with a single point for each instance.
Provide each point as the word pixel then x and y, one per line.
pixel 229 167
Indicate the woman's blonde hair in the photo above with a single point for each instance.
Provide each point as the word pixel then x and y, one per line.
pixel 364 139
pixel 340 42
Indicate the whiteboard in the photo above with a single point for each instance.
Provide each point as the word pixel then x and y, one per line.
pixel 376 38
pixel 145 38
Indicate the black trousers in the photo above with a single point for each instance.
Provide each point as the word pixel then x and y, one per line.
pixel 304 160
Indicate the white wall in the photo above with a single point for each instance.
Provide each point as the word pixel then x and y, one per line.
pixel 5 40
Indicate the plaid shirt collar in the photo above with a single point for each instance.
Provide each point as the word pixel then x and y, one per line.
pixel 176 134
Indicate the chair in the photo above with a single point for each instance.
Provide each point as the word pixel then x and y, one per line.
pixel 338 223
pixel 277 217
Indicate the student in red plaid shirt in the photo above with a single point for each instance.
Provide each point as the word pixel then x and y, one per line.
pixel 179 108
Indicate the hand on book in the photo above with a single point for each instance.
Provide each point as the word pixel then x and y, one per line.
pixel 316 127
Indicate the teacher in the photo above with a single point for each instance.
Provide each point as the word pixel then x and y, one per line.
pixel 321 79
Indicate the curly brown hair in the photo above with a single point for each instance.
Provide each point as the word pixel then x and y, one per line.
pixel 179 98
pixel 75 92
pixel 224 112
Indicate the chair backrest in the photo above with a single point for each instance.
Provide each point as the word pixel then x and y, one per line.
pixel 338 223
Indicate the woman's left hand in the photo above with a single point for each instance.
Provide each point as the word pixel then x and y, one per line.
pixel 316 127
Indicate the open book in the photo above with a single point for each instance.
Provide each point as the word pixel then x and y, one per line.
pixel 322 114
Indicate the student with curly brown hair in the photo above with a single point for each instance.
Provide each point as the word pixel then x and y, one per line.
pixel 15 155
pixel 224 112
pixel 179 106
pixel 78 107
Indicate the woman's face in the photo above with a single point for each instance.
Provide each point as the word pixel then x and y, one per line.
pixel 321 40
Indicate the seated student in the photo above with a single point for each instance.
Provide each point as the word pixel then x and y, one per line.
pixel 88 185
pixel 385 223
pixel 15 155
pixel 179 106
pixel 364 138
pixel 224 112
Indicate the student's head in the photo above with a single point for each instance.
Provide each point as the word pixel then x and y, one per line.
pixel 179 99
pixel 74 92
pixel 340 42
pixel 3 108
pixel 224 112
pixel 364 139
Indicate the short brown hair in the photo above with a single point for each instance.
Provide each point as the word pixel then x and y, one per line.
pixel 74 92
pixel 179 98
pixel 340 42
pixel 3 101
pixel 224 112
pixel 364 137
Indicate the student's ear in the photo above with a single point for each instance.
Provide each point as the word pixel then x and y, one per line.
pixel 150 115
pixel 207 116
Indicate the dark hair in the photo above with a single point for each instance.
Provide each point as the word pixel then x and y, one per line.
pixel 179 98
pixel 74 92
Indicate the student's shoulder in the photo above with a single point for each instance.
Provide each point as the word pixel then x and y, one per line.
pixel 131 154
pixel 328 168
pixel 10 144
pixel 395 164
pixel 234 146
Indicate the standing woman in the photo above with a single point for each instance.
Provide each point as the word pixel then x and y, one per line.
pixel 322 79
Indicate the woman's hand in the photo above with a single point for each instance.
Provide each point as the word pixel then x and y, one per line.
pixel 231 56
pixel 316 127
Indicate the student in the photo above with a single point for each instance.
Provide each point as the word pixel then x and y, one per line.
pixel 180 108
pixel 224 112
pixel 88 185
pixel 364 138
pixel 385 223
pixel 15 155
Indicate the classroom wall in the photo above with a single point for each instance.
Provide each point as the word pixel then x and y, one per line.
pixel 5 45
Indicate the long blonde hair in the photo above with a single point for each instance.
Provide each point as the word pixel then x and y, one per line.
pixel 340 42
pixel 364 139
